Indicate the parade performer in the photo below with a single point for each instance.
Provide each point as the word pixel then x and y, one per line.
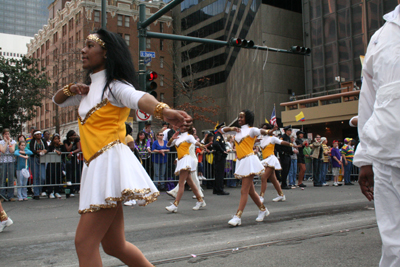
pixel 378 154
pixel 248 165
pixel 183 139
pixel 271 163
pixel 174 192
pixel 4 219
pixel 111 173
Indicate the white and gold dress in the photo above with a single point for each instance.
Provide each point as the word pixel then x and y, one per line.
pixel 267 145
pixel 111 171
pixel 185 161
pixel 247 162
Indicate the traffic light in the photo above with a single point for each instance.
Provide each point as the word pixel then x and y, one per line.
pixel 151 85
pixel 241 43
pixel 300 50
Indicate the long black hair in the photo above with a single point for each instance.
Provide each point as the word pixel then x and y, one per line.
pixel 69 134
pixel 138 142
pixel 249 117
pixel 119 65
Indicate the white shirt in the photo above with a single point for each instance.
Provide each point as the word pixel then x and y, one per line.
pixel 266 140
pixel 183 137
pixel 8 158
pixel 245 131
pixel 165 133
pixel 379 104
pixel 123 95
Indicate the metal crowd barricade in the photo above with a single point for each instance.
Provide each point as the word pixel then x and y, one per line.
pixel 309 170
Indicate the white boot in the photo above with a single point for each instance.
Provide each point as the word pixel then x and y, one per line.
pixel 235 221
pixel 262 215
pixel 199 205
pixel 172 208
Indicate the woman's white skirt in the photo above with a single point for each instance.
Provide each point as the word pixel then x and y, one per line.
pixel 116 175
pixel 272 162
pixel 187 163
pixel 248 166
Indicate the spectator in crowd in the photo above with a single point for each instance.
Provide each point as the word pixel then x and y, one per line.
pixel 325 161
pixel 200 168
pixel 316 155
pixel 20 137
pixel 7 147
pixel 301 163
pixel 347 156
pixel 22 154
pixel 143 145
pixel 336 162
pixel 164 126
pixel 165 132
pixel 308 160
pixel 39 148
pixel 231 161
pixel 53 169
pixel 209 159
pixel 46 137
pixel 219 161
pixel 30 137
pixel 71 161
pixel 284 156
pixel 293 164
pixel 149 132
pixel 159 160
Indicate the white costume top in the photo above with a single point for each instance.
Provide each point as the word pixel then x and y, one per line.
pixel 379 109
pixel 116 174
pixel 185 161
pixel 247 163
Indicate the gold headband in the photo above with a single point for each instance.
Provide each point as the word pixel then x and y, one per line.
pixel 96 39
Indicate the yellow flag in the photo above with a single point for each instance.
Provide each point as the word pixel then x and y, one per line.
pixel 266 121
pixel 300 116
pixel 215 128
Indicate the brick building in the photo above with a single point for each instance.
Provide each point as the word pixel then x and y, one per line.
pixel 59 43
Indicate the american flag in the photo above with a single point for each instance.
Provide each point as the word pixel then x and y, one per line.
pixel 273 117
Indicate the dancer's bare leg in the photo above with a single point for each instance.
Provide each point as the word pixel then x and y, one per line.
pixel 247 182
pixel 276 183
pixel 254 196
pixel 194 188
pixel 302 171
pixel 93 228
pixel 183 175
pixel 264 179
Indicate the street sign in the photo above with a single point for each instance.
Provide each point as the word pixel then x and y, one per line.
pixel 147 54
pixel 142 116
pixel 147 60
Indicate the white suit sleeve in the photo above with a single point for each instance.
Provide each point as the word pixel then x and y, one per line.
pixel 230 133
pixel 365 109
pixel 254 132
pixel 276 140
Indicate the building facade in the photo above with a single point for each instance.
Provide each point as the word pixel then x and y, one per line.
pixel 338 32
pixel 241 78
pixel 58 48
pixel 23 17
pixel 13 46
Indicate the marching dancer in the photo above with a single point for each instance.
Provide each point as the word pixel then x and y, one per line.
pixel 271 163
pixel 112 173
pixel 185 165
pixel 4 219
pixel 248 165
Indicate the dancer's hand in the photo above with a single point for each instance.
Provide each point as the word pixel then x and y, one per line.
pixel 177 117
pixel 176 135
pixel 366 181
pixel 79 89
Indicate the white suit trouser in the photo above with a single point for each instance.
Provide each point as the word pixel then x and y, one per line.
pixel 387 208
pixel 195 180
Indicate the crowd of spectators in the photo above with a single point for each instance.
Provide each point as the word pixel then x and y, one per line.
pixel 322 162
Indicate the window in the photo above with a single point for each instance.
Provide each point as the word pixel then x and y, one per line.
pixel 55 37
pixel 162 97
pixel 119 23
pixel 78 18
pixel 161 26
pixel 161 80
pixel 71 24
pixel 96 16
pixel 161 62
pixel 42 48
pixel 47 44
pixel 148 43
pixel 127 37
pixel 126 21
pixel 64 30
pixel 161 44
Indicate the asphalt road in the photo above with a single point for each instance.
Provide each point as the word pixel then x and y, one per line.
pixel 330 226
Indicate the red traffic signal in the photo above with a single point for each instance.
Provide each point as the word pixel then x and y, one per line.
pixel 150 83
pixel 300 50
pixel 241 43
pixel 151 75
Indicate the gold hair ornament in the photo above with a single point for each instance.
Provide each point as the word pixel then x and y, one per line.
pixel 96 39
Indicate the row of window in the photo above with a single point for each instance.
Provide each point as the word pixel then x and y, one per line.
pixel 10 54
pixel 203 14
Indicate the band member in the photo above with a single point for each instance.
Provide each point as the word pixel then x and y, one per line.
pixel 271 163
pixel 248 165
pixel 219 161
pixel 284 157
pixel 111 173
pixel 185 165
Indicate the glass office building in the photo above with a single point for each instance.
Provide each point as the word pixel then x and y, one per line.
pixel 338 32
pixel 23 17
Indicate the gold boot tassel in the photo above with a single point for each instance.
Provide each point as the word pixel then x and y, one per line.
pixel 239 213
pixel 3 216
pixel 261 194
pixel 262 207
pixel 176 203
pixel 200 199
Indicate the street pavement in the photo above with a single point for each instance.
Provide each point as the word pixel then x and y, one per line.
pixel 328 226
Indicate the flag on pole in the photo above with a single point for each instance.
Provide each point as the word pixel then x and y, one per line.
pixel 273 117
pixel 300 116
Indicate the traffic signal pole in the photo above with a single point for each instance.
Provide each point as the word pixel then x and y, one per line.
pixel 143 34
